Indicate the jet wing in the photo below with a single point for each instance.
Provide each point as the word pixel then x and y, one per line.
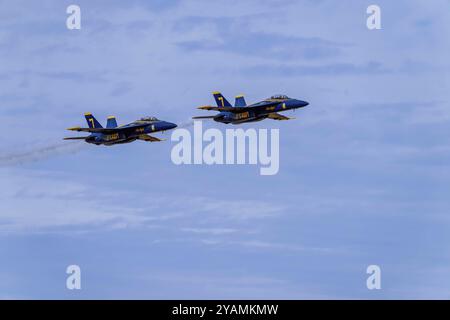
pixel 148 138
pixel 126 127
pixel 260 106
pixel 277 116
pixel 93 130
pixel 229 109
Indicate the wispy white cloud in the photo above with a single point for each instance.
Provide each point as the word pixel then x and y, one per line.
pixel 43 202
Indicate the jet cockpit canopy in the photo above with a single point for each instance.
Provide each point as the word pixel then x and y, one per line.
pixel 149 119
pixel 279 97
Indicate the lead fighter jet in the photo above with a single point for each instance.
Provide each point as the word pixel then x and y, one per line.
pixel 241 113
pixel 113 134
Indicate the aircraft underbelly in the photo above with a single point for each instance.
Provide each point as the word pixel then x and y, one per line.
pixel 254 119
pixel 119 142
pixel 113 139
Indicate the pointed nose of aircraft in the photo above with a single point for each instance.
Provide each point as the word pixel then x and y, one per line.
pixel 301 103
pixel 170 125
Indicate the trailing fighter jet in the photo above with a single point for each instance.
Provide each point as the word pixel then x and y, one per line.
pixel 113 134
pixel 241 113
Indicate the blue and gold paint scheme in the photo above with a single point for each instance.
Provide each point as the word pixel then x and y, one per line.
pixel 239 101
pixel 111 122
pixel 114 134
pixel 241 112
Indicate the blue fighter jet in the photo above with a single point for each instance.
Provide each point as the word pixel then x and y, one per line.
pixel 241 112
pixel 113 134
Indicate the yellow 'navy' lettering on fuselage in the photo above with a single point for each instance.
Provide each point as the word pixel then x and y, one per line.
pixel 242 115
pixel 113 136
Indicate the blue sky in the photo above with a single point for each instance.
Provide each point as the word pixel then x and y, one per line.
pixel 363 170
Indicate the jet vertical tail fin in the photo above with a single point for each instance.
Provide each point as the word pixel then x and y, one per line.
pixel 92 122
pixel 240 101
pixel 111 122
pixel 220 100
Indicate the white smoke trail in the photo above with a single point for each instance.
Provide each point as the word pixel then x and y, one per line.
pixel 40 153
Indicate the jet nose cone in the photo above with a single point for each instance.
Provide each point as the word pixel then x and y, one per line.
pixel 302 103
pixel 171 125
